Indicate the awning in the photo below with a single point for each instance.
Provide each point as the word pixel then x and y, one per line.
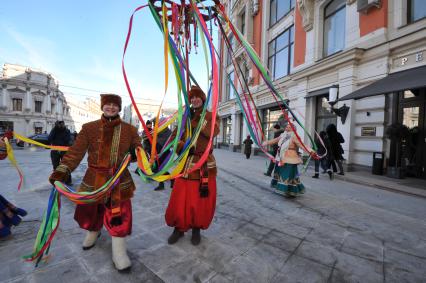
pixel 409 79
pixel 319 92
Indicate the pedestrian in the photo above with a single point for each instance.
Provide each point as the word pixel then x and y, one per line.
pixel 336 140
pixel 59 135
pixel 193 200
pixel 324 148
pixel 162 138
pixel 286 176
pixel 276 129
pixel 106 142
pixel 9 213
pixel 247 146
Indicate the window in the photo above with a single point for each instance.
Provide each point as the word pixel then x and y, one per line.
pixel 229 52
pixel 334 27
pixel 416 10
pixel 243 23
pixel 230 92
pixel 17 104
pixel 37 107
pixel 227 128
pixel 246 76
pixel 279 8
pixel 324 115
pixel 280 60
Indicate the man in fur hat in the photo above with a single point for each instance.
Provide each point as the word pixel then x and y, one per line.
pixel 193 200
pixel 106 141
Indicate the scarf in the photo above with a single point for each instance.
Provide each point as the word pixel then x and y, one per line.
pixel 283 144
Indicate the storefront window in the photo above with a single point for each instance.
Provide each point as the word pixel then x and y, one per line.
pixel 227 129
pixel 324 115
pixel 270 118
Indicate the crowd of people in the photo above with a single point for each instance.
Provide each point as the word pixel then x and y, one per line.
pixel 192 201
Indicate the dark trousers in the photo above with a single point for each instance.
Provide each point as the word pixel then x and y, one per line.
pixel 332 164
pixel 323 163
pixel 248 155
pixel 56 157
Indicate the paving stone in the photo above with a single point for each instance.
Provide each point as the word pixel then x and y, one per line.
pixel 298 269
pixel 324 254
pixel 187 270
pixel 350 268
pixel 403 267
pixel 281 241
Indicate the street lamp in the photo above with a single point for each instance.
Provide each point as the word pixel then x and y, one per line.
pixel 343 111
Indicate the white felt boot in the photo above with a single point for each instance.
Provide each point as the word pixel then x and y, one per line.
pixel 119 254
pixel 90 239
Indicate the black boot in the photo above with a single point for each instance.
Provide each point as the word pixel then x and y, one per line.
pixel 330 174
pixel 175 236
pixel 316 176
pixel 196 237
pixel 172 182
pixel 160 187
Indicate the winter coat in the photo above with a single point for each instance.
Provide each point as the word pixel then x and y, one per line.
pixel 106 142
pixel 336 139
pixel 247 145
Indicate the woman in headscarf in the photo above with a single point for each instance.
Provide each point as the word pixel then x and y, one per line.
pixel 286 176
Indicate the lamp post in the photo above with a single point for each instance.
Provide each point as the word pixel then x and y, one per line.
pixel 343 111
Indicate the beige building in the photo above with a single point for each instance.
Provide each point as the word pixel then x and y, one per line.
pixel 83 110
pixel 148 109
pixel 362 60
pixel 30 101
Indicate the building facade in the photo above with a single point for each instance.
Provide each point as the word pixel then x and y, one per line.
pixel 83 111
pixel 356 63
pixel 30 101
pixel 148 109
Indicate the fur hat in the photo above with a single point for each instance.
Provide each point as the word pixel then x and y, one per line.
pixel 110 98
pixel 198 92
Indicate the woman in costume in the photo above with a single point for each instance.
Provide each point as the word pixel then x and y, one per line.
pixel 286 176
pixel 106 141
pixel 193 200
pixel 9 213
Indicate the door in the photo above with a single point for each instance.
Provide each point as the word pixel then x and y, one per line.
pixel 413 151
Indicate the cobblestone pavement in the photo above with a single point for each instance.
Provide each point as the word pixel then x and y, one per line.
pixel 336 232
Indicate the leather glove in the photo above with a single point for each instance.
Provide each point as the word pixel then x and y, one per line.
pixel 204 190
pixel 60 174
pixel 132 152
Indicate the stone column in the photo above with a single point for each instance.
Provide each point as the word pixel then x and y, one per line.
pixel 28 100
pixel 4 101
pixel 47 102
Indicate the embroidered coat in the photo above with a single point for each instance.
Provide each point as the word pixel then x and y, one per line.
pixel 106 143
pixel 201 145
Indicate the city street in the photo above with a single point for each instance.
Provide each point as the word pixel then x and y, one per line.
pixel 337 232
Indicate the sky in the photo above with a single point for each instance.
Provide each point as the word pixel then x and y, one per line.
pixel 81 44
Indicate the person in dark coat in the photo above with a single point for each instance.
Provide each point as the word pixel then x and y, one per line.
pixel 336 139
pixel 247 146
pixel 323 149
pixel 277 132
pixel 162 138
pixel 59 135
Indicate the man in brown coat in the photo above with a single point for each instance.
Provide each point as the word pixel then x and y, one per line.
pixel 193 200
pixel 106 141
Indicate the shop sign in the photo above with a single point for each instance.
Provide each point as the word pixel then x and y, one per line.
pixel 409 59
pixel 368 131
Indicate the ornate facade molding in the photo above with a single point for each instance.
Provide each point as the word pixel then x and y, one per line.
pixel 306 8
pixel 349 2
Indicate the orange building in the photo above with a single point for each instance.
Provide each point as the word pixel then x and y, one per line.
pixel 358 64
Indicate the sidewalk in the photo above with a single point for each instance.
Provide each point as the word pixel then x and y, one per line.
pixel 410 186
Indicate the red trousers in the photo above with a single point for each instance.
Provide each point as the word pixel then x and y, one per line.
pixel 187 209
pixel 92 217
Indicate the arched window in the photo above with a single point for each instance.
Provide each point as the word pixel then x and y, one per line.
pixel 334 26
